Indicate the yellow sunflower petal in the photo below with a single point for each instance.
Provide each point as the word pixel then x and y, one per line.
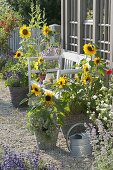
pixel 77 78
pixel 18 54
pixel 85 68
pixel 96 60
pixel 36 89
pixel 41 60
pixel 25 32
pixel 89 49
pixel 87 79
pixel 36 65
pixel 46 30
pixel 62 81
pixel 48 97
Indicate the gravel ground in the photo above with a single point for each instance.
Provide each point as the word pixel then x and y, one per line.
pixel 14 133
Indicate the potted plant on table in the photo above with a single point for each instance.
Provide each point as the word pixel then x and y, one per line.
pixel 41 66
pixel 45 116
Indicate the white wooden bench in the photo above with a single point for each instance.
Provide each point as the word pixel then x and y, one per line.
pixel 68 60
pixel 65 63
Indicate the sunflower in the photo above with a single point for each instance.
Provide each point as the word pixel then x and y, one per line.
pixel 40 60
pixel 36 65
pixel 96 60
pixel 85 68
pixel 48 97
pixel 25 32
pixel 62 81
pixel 86 79
pixel 46 30
pixel 36 89
pixel 77 79
pixel 89 49
pixel 18 54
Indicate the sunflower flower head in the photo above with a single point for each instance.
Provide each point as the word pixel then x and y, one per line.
pixel 36 89
pixel 87 79
pixel 25 32
pixel 40 60
pixel 36 65
pixel 48 97
pixel 85 68
pixel 89 49
pixel 96 60
pixel 18 54
pixel 77 79
pixel 46 30
pixel 62 81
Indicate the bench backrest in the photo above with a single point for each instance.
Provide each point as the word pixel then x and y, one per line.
pixel 69 59
pixel 65 62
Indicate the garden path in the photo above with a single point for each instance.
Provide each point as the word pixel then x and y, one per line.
pixel 14 134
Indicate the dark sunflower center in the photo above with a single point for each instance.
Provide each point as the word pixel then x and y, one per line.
pixel 88 78
pixel 41 60
pixel 36 89
pixel 90 48
pixel 86 69
pixel 97 61
pixel 48 98
pixel 18 55
pixel 46 30
pixel 61 83
pixel 25 31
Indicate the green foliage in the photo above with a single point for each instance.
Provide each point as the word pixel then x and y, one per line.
pixel 102 146
pixel 46 112
pixel 9 19
pixel 16 73
pixel 2 62
pixel 89 91
pixel 52 10
pixel 37 16
pixel 23 7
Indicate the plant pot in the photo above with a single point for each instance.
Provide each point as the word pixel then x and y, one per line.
pixel 41 77
pixel 73 118
pixel 17 95
pixel 46 142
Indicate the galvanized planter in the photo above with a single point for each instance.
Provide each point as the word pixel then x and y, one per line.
pixel 17 95
pixel 73 118
pixel 78 143
pixel 44 142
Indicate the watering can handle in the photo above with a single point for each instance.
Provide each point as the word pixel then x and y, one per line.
pixel 67 137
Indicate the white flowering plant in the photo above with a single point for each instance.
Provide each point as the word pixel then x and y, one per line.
pixel 102 145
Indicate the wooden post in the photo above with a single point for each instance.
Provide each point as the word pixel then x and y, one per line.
pixel 96 8
pixel 67 23
pixel 63 24
pixel 111 35
pixel 81 17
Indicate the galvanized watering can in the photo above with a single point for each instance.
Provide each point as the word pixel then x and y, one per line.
pixel 78 143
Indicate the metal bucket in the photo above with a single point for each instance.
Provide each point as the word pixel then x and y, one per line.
pixel 78 143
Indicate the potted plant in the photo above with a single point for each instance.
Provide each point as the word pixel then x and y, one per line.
pixel 41 66
pixel 45 116
pixel 89 92
pixel 17 79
